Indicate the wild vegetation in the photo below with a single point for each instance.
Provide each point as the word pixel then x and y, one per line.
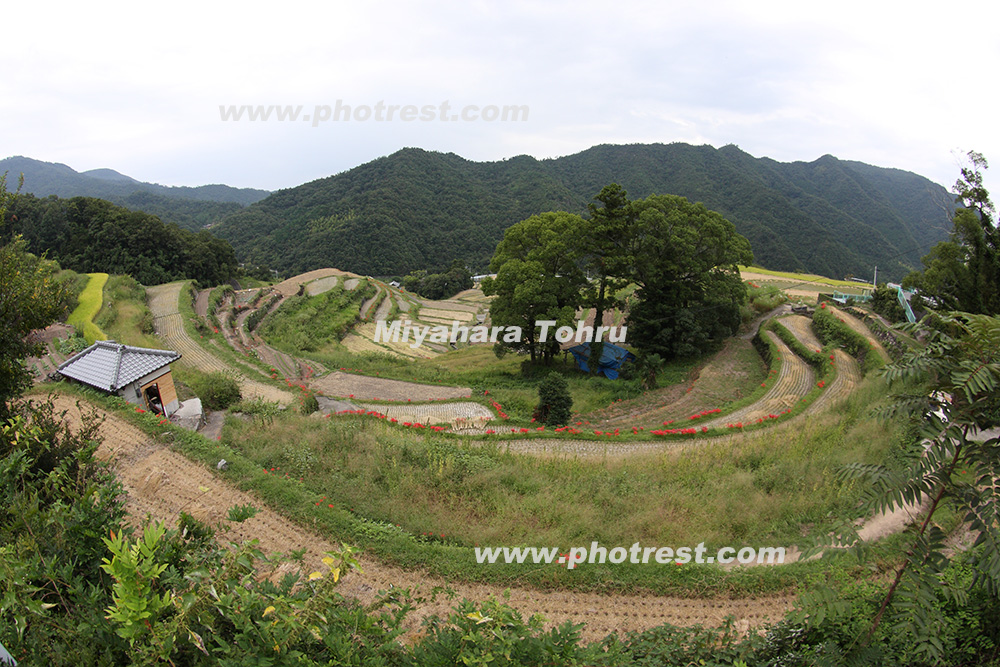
pixel 95 236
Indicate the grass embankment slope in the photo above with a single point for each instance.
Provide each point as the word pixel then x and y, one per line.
pixel 90 301
pixel 810 278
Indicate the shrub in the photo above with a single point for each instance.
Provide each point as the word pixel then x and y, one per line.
pixel 310 404
pixel 554 401
pixel 217 391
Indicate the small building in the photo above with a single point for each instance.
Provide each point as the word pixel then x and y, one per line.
pixel 139 375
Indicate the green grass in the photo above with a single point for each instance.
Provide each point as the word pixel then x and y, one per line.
pixel 124 314
pixel 311 323
pixel 90 304
pixel 389 489
pixel 806 277
pixel 768 489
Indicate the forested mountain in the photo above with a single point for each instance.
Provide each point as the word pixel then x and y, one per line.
pixel 92 235
pixel 191 208
pixel 417 209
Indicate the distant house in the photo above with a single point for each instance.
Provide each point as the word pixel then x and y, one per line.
pixel 139 375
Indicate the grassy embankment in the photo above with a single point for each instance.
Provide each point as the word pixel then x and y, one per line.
pixel 90 300
pixel 396 492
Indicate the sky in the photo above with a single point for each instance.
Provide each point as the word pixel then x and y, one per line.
pixel 139 87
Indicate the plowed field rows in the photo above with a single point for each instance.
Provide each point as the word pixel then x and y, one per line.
pixel 860 327
pixel 801 328
pixel 847 379
pixel 369 388
pixel 443 413
pixel 161 483
pixel 163 300
pixel 795 379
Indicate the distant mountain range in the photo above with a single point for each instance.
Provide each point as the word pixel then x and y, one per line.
pixel 417 209
pixel 190 207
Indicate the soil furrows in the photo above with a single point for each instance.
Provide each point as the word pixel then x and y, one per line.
pixel 860 327
pixel 160 483
pixel 163 300
pixel 795 379
pixel 363 387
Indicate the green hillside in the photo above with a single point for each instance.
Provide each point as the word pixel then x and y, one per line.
pixel 417 209
pixel 188 207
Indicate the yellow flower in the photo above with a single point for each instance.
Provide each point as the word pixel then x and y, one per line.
pixel 313 576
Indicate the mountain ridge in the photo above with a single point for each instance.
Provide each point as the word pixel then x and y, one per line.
pixel 419 209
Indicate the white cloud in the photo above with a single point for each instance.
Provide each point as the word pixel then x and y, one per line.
pixel 137 87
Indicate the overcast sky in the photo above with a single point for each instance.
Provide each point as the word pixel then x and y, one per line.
pixel 137 87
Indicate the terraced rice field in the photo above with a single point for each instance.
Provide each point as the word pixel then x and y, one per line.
pixel 847 379
pixel 291 286
pixel 466 417
pixel 801 328
pixel 363 387
pixel 369 304
pixel 161 483
pixel 795 379
pixel 322 285
pixel 163 300
pixel 860 327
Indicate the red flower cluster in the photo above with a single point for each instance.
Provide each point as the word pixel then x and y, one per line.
pixel 704 413
pixel 567 429
pixel 821 384
pixel 676 431
pixel 499 409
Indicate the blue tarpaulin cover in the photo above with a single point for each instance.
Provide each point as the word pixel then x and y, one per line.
pixel 612 357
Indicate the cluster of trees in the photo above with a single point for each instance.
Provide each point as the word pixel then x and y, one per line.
pixel 418 209
pixel 963 273
pixel 92 235
pixel 681 257
pixel 439 285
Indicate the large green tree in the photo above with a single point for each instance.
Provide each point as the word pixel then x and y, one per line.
pixel 607 253
pixel 685 263
pixel 29 299
pixel 963 273
pixel 538 278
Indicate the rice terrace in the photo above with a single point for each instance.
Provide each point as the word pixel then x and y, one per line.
pixel 459 455
pixel 736 448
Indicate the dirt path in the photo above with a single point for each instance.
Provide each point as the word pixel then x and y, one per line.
pixel 161 483
pixel 163 300
pixel 364 387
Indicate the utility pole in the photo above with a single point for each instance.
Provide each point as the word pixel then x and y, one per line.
pixel 875 282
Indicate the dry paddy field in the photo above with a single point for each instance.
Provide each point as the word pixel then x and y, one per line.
pixel 161 483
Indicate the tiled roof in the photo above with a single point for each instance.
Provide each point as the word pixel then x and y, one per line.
pixel 110 366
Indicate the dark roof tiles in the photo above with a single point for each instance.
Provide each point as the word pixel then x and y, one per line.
pixel 110 366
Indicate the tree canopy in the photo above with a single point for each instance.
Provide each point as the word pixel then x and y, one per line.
pixel 963 273
pixel 685 262
pixel 29 299
pixel 539 277
pixel 92 235
pixel 681 256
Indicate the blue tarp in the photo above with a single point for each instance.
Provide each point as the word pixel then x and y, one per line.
pixel 612 357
